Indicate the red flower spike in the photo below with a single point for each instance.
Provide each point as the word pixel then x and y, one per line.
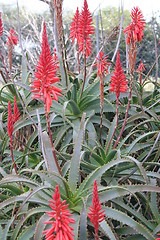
pixel 1 26
pixel 135 29
pixel 85 29
pixel 12 38
pixel 16 112
pixel 45 76
pixel 74 29
pixel 10 122
pixel 60 219
pixel 96 214
pixel 101 64
pixel 118 80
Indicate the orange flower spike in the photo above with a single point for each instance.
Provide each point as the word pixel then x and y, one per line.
pixel 118 79
pixel 12 38
pixel 60 218
pixel 135 30
pixel 45 76
pixel 10 122
pixel 16 115
pixel 96 214
pixel 85 30
pixel 74 29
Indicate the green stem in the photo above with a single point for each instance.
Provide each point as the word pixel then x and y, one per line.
pixel 84 75
pixel 84 70
pixel 114 128
pixel 78 61
pixel 15 167
pixel 51 141
pixel 125 120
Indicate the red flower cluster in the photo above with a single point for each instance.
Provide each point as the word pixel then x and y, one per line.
pixel 74 29
pixel 96 214
pixel 60 219
pixel 1 26
pixel 10 122
pixel 45 76
pixel 16 113
pixel 81 28
pixel 101 64
pixel 135 29
pixel 12 118
pixel 12 38
pixel 118 80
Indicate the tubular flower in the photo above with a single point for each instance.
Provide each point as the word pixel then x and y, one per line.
pixel 74 29
pixel 12 38
pixel 45 76
pixel 118 80
pixel 85 29
pixel 96 214
pixel 60 219
pixel 16 114
pixel 101 64
pixel 1 26
pixel 135 29
pixel 10 122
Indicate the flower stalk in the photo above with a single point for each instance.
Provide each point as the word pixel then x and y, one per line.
pixel 134 34
pixel 118 85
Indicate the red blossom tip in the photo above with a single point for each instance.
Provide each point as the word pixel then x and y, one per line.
pixel 135 30
pixel 1 26
pixel 60 218
pixel 118 79
pixel 74 29
pixel 96 214
pixel 10 121
pixel 16 113
pixel 12 38
pixel 45 75
pixel 85 30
